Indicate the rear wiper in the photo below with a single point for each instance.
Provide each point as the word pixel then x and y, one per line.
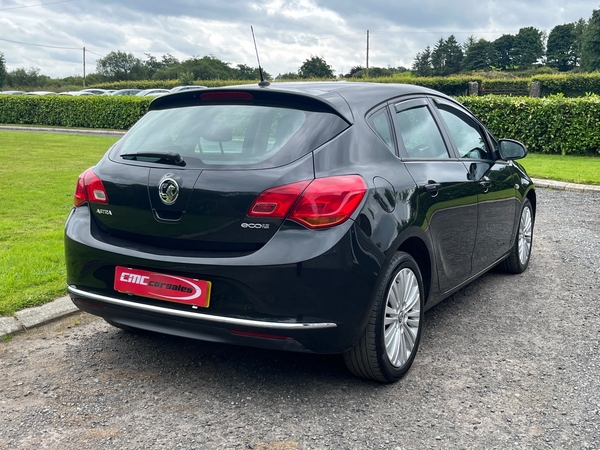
pixel 159 157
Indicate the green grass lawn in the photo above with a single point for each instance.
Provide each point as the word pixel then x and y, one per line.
pixel 38 173
pixel 574 169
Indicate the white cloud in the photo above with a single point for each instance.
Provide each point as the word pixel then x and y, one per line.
pixel 287 31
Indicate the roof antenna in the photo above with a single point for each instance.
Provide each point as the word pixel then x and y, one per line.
pixel 262 82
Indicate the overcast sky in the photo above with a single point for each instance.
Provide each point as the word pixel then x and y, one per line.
pixel 50 34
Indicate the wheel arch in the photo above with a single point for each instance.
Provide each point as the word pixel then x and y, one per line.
pixel 418 249
pixel 532 197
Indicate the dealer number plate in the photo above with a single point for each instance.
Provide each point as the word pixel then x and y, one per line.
pixel 171 288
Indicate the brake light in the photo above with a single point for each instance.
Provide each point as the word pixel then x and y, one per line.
pixel 226 96
pixel 89 189
pixel 322 203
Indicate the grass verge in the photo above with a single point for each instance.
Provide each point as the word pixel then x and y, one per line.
pixel 573 169
pixel 38 173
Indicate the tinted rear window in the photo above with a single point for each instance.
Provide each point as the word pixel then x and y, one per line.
pixel 229 136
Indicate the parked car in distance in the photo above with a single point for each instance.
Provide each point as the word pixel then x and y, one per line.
pixel 77 93
pixel 120 92
pixel 186 88
pixel 41 93
pixel 313 217
pixel 152 92
pixel 13 92
pixel 95 91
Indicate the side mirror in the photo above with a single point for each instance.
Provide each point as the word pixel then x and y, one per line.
pixel 511 150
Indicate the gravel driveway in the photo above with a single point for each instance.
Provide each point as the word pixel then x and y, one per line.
pixel 508 362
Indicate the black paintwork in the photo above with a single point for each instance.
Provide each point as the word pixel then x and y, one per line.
pixel 458 217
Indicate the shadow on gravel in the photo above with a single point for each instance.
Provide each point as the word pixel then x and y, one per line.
pixel 197 363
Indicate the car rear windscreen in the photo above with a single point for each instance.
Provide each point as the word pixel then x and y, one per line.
pixel 229 135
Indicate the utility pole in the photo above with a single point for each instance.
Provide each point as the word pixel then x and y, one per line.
pixel 83 66
pixel 367 53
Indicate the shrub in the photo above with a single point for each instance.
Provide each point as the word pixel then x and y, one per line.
pixel 555 124
pixel 101 111
pixel 576 85
pixel 514 86
pixel 448 85
pixel 546 125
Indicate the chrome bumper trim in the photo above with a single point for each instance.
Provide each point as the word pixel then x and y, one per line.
pixel 199 316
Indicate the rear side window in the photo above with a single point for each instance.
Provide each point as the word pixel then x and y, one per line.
pixel 419 134
pixel 232 135
pixel 379 122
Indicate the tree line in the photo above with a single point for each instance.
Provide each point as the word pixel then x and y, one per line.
pixel 568 47
pixel 122 66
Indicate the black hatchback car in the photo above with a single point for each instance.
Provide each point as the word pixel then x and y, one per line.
pixel 319 217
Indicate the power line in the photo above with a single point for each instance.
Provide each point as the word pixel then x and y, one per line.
pixel 40 45
pixel 38 4
pixel 97 54
pixel 295 42
pixel 439 32
pixel 52 46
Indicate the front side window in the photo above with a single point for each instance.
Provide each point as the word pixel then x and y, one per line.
pixel 419 134
pixel 467 136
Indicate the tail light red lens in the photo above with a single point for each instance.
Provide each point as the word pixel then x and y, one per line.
pixel 89 189
pixel 276 203
pixel 329 201
pixel 322 203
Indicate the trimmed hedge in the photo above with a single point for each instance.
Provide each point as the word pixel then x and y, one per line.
pixel 571 85
pixel 547 125
pixel 576 85
pixel 458 85
pixel 105 112
pixel 567 126
pixel 516 86
pixel 448 85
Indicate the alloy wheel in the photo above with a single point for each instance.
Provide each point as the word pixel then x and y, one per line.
pixel 402 317
pixel 525 234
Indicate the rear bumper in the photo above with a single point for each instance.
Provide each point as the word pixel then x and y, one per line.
pixel 228 330
pixel 304 291
pixel 228 321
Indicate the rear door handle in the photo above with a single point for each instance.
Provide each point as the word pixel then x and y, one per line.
pixel 432 187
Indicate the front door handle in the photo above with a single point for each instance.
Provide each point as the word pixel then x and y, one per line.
pixel 485 184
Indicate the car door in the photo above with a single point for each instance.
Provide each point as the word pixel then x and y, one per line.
pixel 447 197
pixel 494 181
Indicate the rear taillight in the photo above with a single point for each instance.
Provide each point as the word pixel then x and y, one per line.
pixel 322 203
pixel 276 203
pixel 89 189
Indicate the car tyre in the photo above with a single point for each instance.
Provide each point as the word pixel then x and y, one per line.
pixel 390 341
pixel 518 259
